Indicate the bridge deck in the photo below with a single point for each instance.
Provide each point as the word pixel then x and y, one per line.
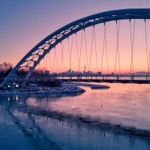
pixel 109 81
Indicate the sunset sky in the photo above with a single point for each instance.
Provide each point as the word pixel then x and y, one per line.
pixel 24 23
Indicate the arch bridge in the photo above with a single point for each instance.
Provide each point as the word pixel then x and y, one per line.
pixel 33 58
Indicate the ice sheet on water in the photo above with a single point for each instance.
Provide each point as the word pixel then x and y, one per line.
pixel 107 119
pixel 123 104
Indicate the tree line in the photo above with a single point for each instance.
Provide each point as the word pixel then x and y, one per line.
pixel 5 68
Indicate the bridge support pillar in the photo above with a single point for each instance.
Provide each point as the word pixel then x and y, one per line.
pixel 132 77
pixel 117 77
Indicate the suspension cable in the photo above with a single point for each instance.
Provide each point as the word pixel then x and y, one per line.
pixel 132 35
pixel 95 48
pixel 39 66
pixel 85 43
pixel 44 63
pixel 70 52
pixel 46 57
pixel 117 54
pixel 62 57
pixel 49 59
pixel 55 60
pixel 77 48
pixel 91 48
pixel 146 45
pixel 105 49
pixel 149 65
pixel 80 50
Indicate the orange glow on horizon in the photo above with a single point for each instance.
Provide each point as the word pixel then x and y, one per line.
pixel 91 54
pixel 91 51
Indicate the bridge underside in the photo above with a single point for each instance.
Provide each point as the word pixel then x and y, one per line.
pixel 107 80
pixel 139 79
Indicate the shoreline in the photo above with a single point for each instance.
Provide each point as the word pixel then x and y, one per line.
pixel 66 88
pixel 40 90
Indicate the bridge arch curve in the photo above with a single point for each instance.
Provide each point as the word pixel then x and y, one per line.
pixel 35 55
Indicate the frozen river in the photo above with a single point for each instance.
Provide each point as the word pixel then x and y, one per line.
pixel 116 118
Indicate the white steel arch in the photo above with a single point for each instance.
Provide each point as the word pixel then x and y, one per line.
pixel 35 55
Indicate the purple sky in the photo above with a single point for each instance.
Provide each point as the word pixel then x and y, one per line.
pixel 23 23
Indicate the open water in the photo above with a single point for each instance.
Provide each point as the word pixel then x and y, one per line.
pixel 116 118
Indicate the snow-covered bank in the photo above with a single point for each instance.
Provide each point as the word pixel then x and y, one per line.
pixel 64 89
pixel 92 86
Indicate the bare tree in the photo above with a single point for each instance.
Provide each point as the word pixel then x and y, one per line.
pixel 5 68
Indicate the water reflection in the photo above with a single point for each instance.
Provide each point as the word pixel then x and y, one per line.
pixel 92 120
pixel 51 133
